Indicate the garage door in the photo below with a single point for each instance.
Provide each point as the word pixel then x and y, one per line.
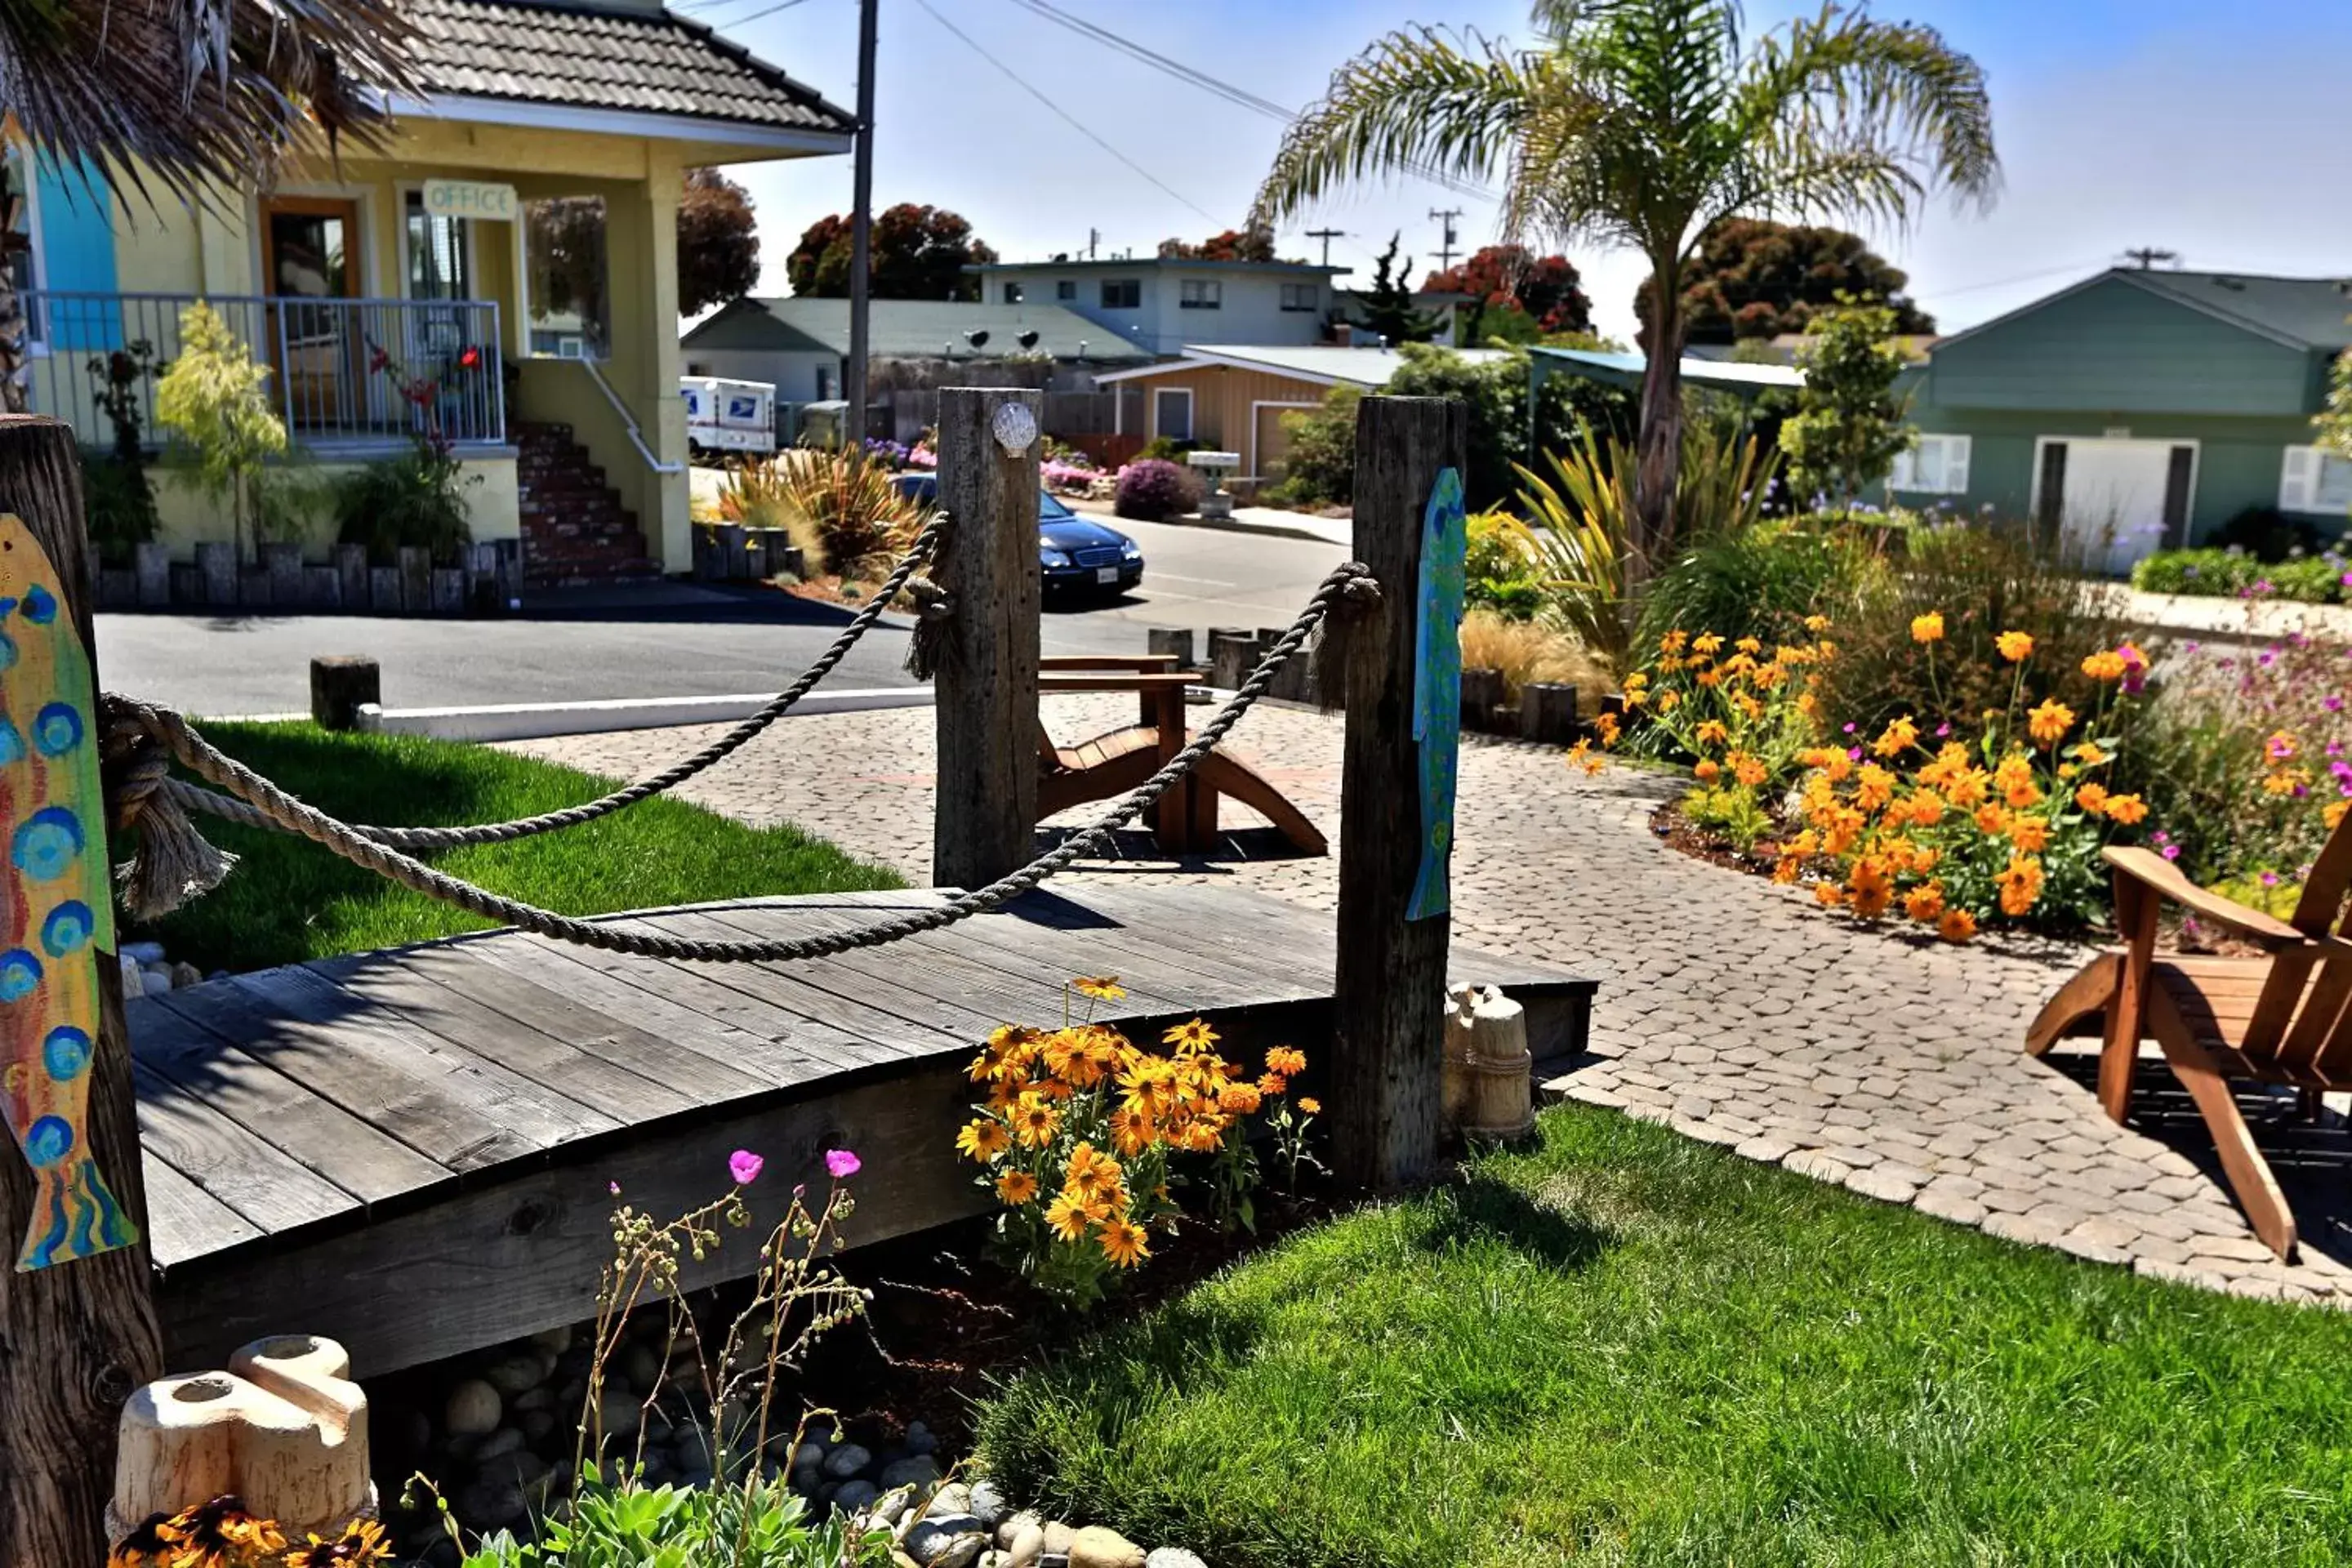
pixel 2114 500
pixel 1267 457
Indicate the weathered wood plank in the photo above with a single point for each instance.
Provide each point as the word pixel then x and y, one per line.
pixel 188 1222
pixel 323 1136
pixel 263 1186
pixel 847 1000
pixel 401 985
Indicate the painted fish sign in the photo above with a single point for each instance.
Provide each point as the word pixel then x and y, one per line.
pixel 1437 689
pixel 58 924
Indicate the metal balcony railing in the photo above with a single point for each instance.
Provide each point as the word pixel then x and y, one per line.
pixel 341 372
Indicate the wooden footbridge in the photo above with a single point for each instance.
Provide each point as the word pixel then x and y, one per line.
pixel 416 1153
pixel 410 1151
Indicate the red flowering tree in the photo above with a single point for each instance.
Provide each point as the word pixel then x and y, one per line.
pixel 920 253
pixel 1509 281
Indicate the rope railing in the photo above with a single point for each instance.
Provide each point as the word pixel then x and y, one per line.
pixel 149 803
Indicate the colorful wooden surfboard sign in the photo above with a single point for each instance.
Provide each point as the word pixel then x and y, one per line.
pixel 57 925
pixel 1437 689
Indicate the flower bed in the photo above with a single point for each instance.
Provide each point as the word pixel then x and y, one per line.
pixel 2322 578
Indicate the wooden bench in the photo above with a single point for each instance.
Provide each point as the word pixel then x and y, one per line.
pixel 1110 764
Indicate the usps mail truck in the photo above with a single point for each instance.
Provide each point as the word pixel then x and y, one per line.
pixel 728 416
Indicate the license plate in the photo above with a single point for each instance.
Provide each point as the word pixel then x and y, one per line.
pixel 1106 573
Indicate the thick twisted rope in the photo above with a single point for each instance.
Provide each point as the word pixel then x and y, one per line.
pixel 1351 584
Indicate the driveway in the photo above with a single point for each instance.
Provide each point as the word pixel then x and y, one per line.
pixel 668 640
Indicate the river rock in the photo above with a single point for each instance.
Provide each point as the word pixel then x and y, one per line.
pixel 473 1409
pixel 505 1440
pixel 539 1398
pixel 154 983
pixel 890 1505
pixel 989 1503
pixel 949 1543
pixel 641 1364
pixel 1058 1537
pixel 920 1439
pixel 620 1413
pixel 1096 1547
pixel 854 1495
pixel 555 1341
pixel 921 1470
pixel 806 1480
pixel 1022 1537
pixel 1172 1557
pixel 143 952
pixel 514 1375
pixel 537 1425
pixel 184 974
pixel 954 1498
pixel 850 1459
pixel 490 1504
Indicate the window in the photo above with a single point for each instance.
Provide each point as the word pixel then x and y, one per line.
pixel 1202 294
pixel 1172 413
pixel 1012 293
pixel 440 264
pixel 565 241
pixel 1298 296
pixel 24 266
pixel 1122 294
pixel 2313 480
pixel 1938 465
pixel 1067 288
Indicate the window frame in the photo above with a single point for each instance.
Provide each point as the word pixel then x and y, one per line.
pixel 1066 289
pixel 1201 294
pixel 1299 296
pixel 2308 497
pixel 1907 463
pixel 1130 292
pixel 1012 291
pixel 1190 411
pixel 470 234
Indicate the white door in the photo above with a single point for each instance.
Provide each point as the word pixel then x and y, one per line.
pixel 2114 499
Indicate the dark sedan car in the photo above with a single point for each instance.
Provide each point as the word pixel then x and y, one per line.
pixel 1076 555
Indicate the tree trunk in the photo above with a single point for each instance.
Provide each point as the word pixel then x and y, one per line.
pixel 1660 443
pixel 77 1337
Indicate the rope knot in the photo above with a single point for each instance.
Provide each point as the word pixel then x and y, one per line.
pixel 173 862
pixel 934 608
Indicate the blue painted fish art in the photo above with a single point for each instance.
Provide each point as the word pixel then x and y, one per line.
pixel 57 927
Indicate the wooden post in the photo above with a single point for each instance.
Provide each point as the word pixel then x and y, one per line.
pixel 341 683
pixel 986 819
pixel 1389 1008
pixel 77 1337
pixel 1548 713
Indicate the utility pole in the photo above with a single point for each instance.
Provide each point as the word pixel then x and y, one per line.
pixel 861 222
pixel 1326 235
pixel 1093 240
pixel 1446 252
pixel 2148 256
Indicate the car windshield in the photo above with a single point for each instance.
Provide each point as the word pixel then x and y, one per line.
pixel 1051 511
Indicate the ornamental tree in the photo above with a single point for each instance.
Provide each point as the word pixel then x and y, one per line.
pixel 1234 245
pixel 1848 429
pixel 718 245
pixel 1752 278
pixel 1387 307
pixel 920 252
pixel 1508 282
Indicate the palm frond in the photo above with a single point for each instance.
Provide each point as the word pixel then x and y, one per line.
pixel 195 92
pixel 1414 101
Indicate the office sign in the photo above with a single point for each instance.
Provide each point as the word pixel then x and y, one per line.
pixel 470 198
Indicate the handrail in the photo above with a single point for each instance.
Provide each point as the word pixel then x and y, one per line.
pixel 628 420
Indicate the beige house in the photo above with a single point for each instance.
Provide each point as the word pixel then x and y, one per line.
pixel 514 247
pixel 1233 397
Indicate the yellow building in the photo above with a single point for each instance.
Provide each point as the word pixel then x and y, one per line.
pixel 509 259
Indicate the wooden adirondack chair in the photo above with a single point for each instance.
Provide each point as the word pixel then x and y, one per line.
pixel 1113 764
pixel 2284 1017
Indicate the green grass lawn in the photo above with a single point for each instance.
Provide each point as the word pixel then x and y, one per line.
pixel 1625 1347
pixel 288 899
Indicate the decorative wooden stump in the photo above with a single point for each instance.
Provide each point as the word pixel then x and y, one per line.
pixel 351 570
pixel 284 564
pixel 416 569
pixel 384 590
pixel 1482 694
pixel 216 563
pixel 1489 1088
pixel 1175 640
pixel 1233 654
pixel 284 1429
pixel 339 685
pixel 1548 713
pixel 152 562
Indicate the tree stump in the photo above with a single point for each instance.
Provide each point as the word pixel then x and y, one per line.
pixel 351 568
pixel 416 579
pixel 384 590
pixel 340 684
pixel 284 564
pixel 1548 713
pixel 1482 694
pixel 152 563
pixel 1177 641
pixel 217 563
pixel 1489 1072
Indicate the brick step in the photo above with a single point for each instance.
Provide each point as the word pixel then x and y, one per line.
pixel 582 576
pixel 562 533
pixel 559 510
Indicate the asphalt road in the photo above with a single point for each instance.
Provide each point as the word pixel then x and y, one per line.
pixel 668 640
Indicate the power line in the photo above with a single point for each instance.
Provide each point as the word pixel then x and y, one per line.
pixel 2017 278
pixel 1062 113
pixel 739 21
pixel 1239 97
pixel 1326 235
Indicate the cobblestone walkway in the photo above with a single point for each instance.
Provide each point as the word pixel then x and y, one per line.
pixel 1730 1009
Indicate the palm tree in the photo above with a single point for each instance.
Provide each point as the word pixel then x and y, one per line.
pixel 1641 124
pixel 192 96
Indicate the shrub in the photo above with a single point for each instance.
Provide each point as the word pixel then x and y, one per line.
pixel 857 515
pixel 2313 580
pixel 215 397
pixel 1169 449
pixel 1983 580
pixel 1760 582
pixel 2213 571
pixel 1526 652
pixel 1578 540
pixel 417 499
pixel 118 506
pixel 1151 488
pixel 1498 570
pixel 1084 1138
pixel 2267 535
pixel 756 496
pixel 1743 723
pixel 1320 467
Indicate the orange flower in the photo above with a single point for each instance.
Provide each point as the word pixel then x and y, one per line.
pixel 1957 925
pixel 1066 1216
pixel 1829 895
pixel 2334 816
pixel 1016 1187
pixel 2051 721
pixel 1991 820
pixel 1897 738
pixel 1706 772
pixel 1708 644
pixel 1239 1099
pixel 1288 1059
pixel 1873 787
pixel 1605 725
pixel 2106 666
pixel 1923 903
pixel 1309 1106
pixel 2030 834
pixel 1927 629
pixel 984 1139
pixel 1750 771
pixel 1131 1134
pixel 1033 1120
pixel 1122 1243
pixel 2020 885
pixel 2092 797
pixel 1672 642
pixel 1101 987
pixel 2127 809
pixel 1872 889
pixel 2015 647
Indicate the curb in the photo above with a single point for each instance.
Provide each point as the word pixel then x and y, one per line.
pixel 545 720
pixel 1228 525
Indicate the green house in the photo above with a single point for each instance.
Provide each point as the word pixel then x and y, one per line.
pixel 2137 410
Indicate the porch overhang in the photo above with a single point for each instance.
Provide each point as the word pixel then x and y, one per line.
pixel 467 109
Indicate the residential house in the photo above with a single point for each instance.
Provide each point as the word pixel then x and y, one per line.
pixel 514 246
pixel 2136 409
pixel 1160 303
pixel 913 347
pixel 1232 397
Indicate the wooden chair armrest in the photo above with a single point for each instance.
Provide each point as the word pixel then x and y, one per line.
pixel 2160 877
pixel 1136 661
pixel 1114 680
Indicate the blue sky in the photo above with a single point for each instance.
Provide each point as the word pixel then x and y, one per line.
pixel 2214 131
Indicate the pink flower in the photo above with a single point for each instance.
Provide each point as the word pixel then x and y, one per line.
pixel 745 1167
pixel 842 1165
pixel 614 1188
